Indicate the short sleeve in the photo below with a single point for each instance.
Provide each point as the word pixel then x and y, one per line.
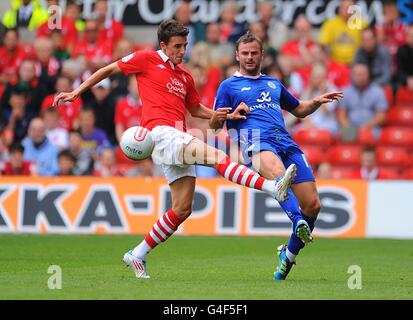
pixel 133 63
pixel 347 96
pixel 325 33
pixel 287 100
pixel 222 99
pixel 381 100
pixel 192 96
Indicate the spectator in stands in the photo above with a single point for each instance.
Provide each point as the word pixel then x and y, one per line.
pixel 257 28
pixel 105 166
pixel 196 30
pixel 57 135
pixel 369 169
pixel 16 119
pixel 324 171
pixel 59 51
pixel 342 34
pixel 68 111
pixel 110 30
pixel 364 104
pixel 337 73
pixel 299 47
pixel 277 30
pixel 392 33
pixel 222 53
pixel 74 69
pixel 40 150
pixel 103 103
pixel 325 117
pixel 65 25
pixel 17 166
pixel 47 66
pixel 98 53
pixel 128 110
pixel 67 163
pixel 12 54
pixel 230 30
pixel 26 14
pixel 30 84
pixel 92 137
pixel 405 61
pixel 73 10
pixel 292 79
pixel 119 81
pixel 145 168
pixel 84 161
pixel 376 56
pixel 210 73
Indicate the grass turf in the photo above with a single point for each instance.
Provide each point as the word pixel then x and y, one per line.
pixel 230 268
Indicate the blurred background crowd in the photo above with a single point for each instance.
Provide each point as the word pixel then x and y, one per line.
pixel 369 134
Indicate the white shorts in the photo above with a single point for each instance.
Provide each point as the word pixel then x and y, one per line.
pixel 168 146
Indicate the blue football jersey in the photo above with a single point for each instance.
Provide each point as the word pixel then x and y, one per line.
pixel 265 96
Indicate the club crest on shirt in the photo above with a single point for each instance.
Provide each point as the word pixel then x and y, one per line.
pixel 127 58
pixel 271 84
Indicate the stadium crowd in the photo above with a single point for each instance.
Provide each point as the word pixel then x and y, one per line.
pixel 368 134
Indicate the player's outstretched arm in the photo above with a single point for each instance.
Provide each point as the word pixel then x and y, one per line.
pixel 95 78
pixel 307 107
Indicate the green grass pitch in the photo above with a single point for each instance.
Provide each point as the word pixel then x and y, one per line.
pixel 224 267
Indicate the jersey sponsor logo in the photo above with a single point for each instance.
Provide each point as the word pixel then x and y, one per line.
pixel 161 66
pixel 246 89
pixel 128 57
pixel 271 84
pixel 176 87
pixel 265 97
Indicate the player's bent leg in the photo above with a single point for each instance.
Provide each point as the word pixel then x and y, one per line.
pixel 182 191
pixel 198 152
pixel 307 195
pixel 270 166
pixel 182 194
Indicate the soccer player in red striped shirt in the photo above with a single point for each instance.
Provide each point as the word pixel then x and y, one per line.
pixel 167 91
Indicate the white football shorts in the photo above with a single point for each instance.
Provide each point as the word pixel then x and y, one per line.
pixel 168 146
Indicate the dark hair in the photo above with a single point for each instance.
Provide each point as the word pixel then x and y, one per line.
pixel 372 30
pixel 50 111
pixel 15 30
pixel 18 91
pixel 16 146
pixel 75 131
pixel 88 109
pixel 66 154
pixel 369 149
pixel 247 38
pixel 171 28
pixel 387 3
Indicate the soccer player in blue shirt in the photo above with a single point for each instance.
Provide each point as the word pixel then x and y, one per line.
pixel 265 143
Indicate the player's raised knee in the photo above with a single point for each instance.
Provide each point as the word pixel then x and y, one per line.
pixel 312 207
pixel 182 211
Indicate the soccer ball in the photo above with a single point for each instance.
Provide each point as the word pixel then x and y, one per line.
pixel 137 143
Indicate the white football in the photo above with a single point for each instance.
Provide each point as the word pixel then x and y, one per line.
pixel 137 143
